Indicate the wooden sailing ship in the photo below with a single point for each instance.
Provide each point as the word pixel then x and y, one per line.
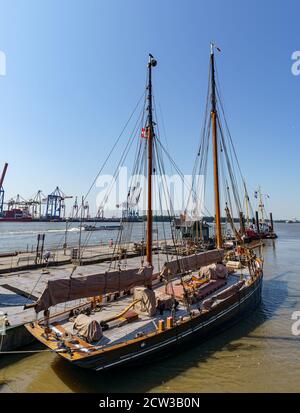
pixel 135 313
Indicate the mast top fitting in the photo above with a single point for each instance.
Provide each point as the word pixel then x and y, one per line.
pixel 152 62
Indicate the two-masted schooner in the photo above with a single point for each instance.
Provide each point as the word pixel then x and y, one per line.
pixel 134 313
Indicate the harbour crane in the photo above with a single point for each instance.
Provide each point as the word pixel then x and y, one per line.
pixel 55 207
pixel 17 203
pixel 75 208
pixel 35 203
pixel 86 213
pixel 1 188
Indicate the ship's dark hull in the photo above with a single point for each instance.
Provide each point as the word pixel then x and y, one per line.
pixel 200 327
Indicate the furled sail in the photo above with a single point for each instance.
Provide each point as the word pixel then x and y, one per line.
pixel 195 261
pixel 64 290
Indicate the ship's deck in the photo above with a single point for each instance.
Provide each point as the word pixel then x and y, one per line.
pixel 20 288
pixel 119 332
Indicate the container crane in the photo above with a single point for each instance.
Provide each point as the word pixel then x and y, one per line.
pixel 1 188
pixel 86 213
pixel 35 203
pixel 55 207
pixel 75 208
pixel 17 203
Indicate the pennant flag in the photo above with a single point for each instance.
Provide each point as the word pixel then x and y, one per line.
pixel 143 133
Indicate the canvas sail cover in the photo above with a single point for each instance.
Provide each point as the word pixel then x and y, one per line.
pixel 195 261
pixel 63 290
pixel 214 271
pixel 147 303
pixel 89 329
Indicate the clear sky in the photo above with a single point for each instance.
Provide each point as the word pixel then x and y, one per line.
pixel 75 70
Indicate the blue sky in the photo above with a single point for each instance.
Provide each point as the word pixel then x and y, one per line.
pixel 75 70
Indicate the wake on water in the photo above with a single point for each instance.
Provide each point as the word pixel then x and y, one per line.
pixel 38 232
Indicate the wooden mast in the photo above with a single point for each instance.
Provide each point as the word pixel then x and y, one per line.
pixel 150 135
pixel 247 205
pixel 215 149
pixel 261 205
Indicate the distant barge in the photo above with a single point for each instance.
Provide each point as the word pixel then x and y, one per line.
pixel 102 227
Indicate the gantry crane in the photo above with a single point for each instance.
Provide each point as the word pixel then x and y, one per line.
pixel 86 212
pixel 55 207
pixel 35 204
pixel 1 188
pixel 75 208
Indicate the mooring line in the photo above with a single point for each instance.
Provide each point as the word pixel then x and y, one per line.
pixel 31 351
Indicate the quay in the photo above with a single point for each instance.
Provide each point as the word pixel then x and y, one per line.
pixel 91 254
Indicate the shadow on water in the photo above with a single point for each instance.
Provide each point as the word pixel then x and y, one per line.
pixel 12 300
pixel 9 359
pixel 143 378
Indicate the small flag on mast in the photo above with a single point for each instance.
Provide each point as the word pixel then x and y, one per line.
pixel 143 133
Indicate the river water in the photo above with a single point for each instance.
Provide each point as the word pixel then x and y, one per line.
pixel 23 236
pixel 260 354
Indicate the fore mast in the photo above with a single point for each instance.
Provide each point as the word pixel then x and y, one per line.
pixel 150 135
pixel 215 148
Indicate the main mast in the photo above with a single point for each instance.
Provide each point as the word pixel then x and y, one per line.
pixel 261 205
pixel 150 135
pixel 215 148
pixel 247 205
